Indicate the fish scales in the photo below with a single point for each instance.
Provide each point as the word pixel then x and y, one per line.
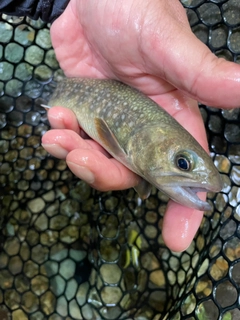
pixel 125 109
pixel 142 136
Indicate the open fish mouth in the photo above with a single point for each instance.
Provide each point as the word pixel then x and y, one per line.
pixel 187 196
pixel 201 205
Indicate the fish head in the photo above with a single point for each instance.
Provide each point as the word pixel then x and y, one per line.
pixel 175 163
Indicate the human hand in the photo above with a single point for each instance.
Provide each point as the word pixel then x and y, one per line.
pixel 148 45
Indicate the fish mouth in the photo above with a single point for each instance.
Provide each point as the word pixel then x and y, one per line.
pixel 187 196
pixel 184 190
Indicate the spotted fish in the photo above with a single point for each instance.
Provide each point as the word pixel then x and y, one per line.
pixel 143 137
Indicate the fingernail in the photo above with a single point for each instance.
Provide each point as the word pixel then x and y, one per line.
pixel 56 150
pixel 82 172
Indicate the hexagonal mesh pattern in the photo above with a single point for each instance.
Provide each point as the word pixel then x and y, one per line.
pixel 70 252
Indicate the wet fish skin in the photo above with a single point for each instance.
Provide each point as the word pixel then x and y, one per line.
pixel 142 136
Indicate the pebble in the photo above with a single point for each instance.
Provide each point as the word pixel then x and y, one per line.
pixel 36 206
pixel 222 163
pixel 62 307
pixel 67 269
pixel 19 314
pixel 232 132
pixel 111 273
pixel 235 175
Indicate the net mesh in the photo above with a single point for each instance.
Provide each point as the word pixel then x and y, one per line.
pixel 70 252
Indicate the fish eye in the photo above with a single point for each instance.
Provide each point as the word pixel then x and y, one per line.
pixel 183 163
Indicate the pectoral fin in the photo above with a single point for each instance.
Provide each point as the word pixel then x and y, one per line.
pixel 110 142
pixel 143 189
pixel 108 139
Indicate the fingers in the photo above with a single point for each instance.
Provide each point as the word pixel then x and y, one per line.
pixel 89 161
pixel 100 172
pixel 60 142
pixel 63 118
pixel 180 225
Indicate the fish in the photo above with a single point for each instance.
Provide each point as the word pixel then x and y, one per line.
pixel 141 135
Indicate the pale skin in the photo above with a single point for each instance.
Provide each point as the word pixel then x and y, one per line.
pixel 147 44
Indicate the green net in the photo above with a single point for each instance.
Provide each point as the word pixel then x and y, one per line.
pixel 70 252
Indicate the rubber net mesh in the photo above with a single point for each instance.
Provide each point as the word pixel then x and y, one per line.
pixel 70 252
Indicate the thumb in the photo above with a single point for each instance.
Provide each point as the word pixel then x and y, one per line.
pixel 184 61
pixel 206 78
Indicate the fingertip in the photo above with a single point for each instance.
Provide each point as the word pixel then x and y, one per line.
pixel 82 171
pixel 63 118
pixel 55 150
pixel 101 172
pixel 180 225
